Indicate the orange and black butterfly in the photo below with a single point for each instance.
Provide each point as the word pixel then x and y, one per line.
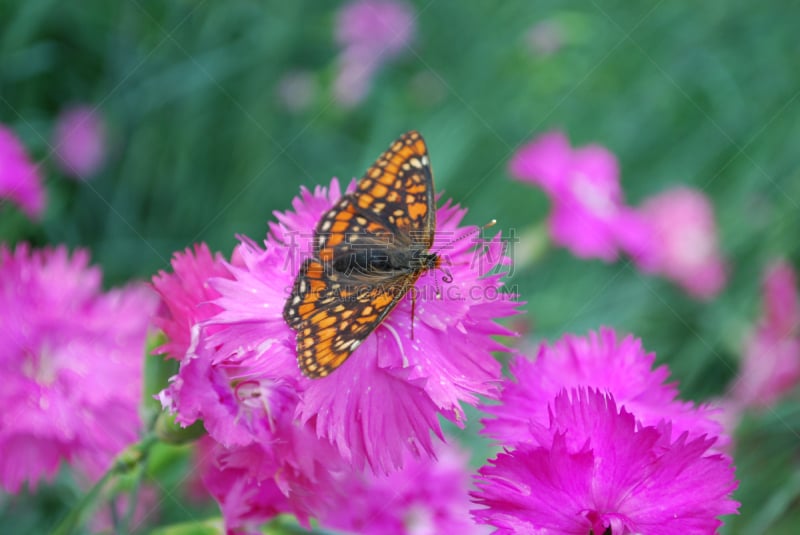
pixel 369 250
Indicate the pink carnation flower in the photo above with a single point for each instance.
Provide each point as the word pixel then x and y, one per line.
pixel 426 497
pixel 71 361
pixel 771 363
pixel 80 141
pixel 20 181
pixel 370 32
pixel 682 243
pixel 186 296
pixel 619 367
pixel 588 216
pixel 386 398
pixel 594 469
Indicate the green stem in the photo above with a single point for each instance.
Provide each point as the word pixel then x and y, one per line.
pixel 133 457
pixel 73 519
pixel 112 505
pixel 134 496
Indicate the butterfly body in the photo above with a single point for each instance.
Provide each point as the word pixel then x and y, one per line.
pixel 369 251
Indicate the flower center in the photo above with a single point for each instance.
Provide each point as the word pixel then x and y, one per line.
pixel 419 521
pixel 607 523
pixel 260 397
pixel 693 247
pixel 593 197
pixel 40 366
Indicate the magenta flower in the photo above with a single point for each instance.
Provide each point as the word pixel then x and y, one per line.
pixel 386 398
pixel 426 497
pixel 683 244
pixel 370 32
pixel 80 141
pixel 594 469
pixel 771 363
pixel 255 483
pixel 588 216
pixel 186 296
pixel 71 361
pixel 619 367
pixel 20 181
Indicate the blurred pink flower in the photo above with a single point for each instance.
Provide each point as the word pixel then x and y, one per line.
pixel 20 181
pixel 80 141
pixel 619 367
pixel 255 483
pixel 370 32
pixel 583 186
pixel 354 77
pixel 145 512
pixel 771 363
pixel 297 90
pixel 425 497
pixel 71 362
pixel 186 296
pixel 396 384
pixel 682 243
pixel 595 469
pixel 202 462
pixel 545 38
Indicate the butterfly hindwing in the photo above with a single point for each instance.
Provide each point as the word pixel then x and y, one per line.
pixel 329 334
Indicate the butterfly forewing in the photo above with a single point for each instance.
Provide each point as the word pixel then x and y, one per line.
pixel 369 249
pixel 398 188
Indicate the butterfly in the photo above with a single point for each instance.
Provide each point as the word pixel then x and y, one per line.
pixel 368 252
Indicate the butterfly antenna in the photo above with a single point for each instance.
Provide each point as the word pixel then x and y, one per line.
pixel 447 276
pixel 470 233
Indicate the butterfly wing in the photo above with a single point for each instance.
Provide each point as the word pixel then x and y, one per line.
pixel 394 198
pixel 333 315
pixel 398 189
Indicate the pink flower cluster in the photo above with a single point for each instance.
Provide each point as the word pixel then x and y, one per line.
pixel 672 234
pixel 71 361
pixel 770 364
pixel 20 181
pixel 370 32
pixel 286 443
pixel 80 141
pixel 590 426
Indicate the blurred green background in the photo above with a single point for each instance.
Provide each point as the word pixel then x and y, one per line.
pixel 205 145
